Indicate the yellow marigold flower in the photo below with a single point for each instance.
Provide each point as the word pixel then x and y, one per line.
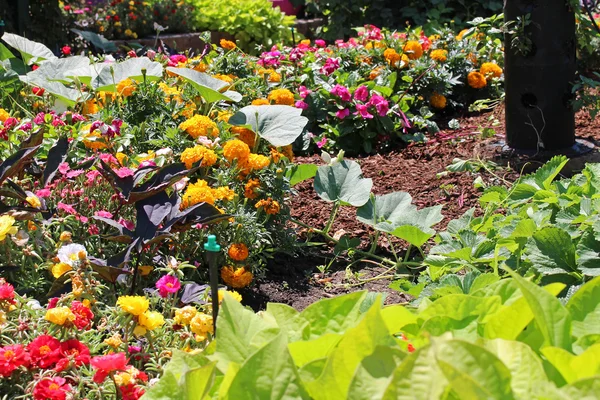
pixel 201 67
pixel 273 75
pixel 4 115
pixel 238 251
pixel 135 305
pixel 236 150
pixel 224 78
pixel 183 316
pixel 413 49
pixel 232 293
pixel 34 201
pixel 305 42
pixel 224 116
pixel 227 44
pixel 269 205
pixel 151 320
pixel 59 269
pixel 59 315
pixel 275 155
pixel 245 135
pixel 258 161
pixel 94 141
pixel 65 236
pixel 196 193
pixel 476 80
pixel 437 101
pixel 192 155
pixel 491 70
pixel 237 279
pixel 6 226
pixel 434 38
pixel 126 87
pixel 199 125
pixel 461 34
pixel 114 341
pixel 391 56
pixel 223 193
pixel 90 107
pixel 145 270
pixel 250 189
pixel 281 96
pixel 260 102
pixel 439 55
pixel 201 324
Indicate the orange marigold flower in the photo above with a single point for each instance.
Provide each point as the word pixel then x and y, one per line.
pixel 227 44
pixel 439 55
pixel 288 152
pixel 476 80
pixel 413 49
pixel 192 155
pixel 199 125
pixel 438 101
pixel 473 58
pixel 238 251
pixel 491 70
pixel 375 73
pixel 391 56
pixel 269 205
pixel 237 279
pixel 236 150
pixel 250 189
pixel 258 161
pixel 126 87
pixel 90 107
pixel 196 193
pixel 260 102
pixel 223 193
pixel 245 135
pixel 461 34
pixel 281 96
pixel 4 115
pixel 94 141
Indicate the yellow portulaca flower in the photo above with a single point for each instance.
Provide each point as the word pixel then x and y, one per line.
pixel 59 269
pixel 6 226
pixel 134 305
pixel 152 320
pixel 59 315
pixel 183 316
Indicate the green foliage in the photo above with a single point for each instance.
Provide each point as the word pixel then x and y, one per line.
pixel 251 22
pixel 352 347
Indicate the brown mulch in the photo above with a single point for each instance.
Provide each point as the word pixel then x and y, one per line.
pixel 296 280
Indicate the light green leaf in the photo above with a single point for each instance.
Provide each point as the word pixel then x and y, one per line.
pixel 32 52
pixel 288 319
pixel 586 389
pixel 5 53
pixel 571 367
pixel 417 378
pixel 374 373
pixel 482 281
pixel 343 182
pixel 63 70
pixel 396 317
pixel 460 306
pixel 525 366
pixel 473 371
pixel 67 95
pixel 279 125
pixel 552 318
pixel 132 68
pixel 269 373
pixel 300 172
pixel 304 352
pixel 588 254
pixel 208 87
pixel 584 307
pixel 334 315
pixel 551 251
pixel 199 381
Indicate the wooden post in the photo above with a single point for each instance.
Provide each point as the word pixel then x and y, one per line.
pixel 539 115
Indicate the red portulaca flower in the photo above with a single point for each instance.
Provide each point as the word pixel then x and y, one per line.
pixel 73 353
pixel 131 391
pixel 7 291
pixel 168 284
pixel 11 358
pixel 66 50
pixel 107 364
pixel 51 389
pixel 44 351
pixel 83 315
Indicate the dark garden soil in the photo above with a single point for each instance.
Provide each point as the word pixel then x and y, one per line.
pixel 415 169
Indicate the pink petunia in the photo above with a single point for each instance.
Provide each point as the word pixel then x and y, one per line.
pixel 380 103
pixel 63 168
pixel 320 43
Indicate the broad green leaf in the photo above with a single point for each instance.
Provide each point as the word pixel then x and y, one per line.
pixel 240 333
pixel 5 53
pixel 584 307
pixel 571 367
pixel 482 281
pixel 99 41
pixel 374 374
pixel 60 91
pixel 525 366
pixel 551 251
pixel 132 68
pixel 511 319
pixel 63 70
pixel 209 88
pixel 269 373
pixel 460 306
pixel 395 317
pixel 199 381
pixel 552 318
pixel 356 344
pixel 288 320
pixel 588 254
pixel 278 124
pixel 32 52
pixel 472 371
pixel 586 389
pixel 417 378
pixel 311 371
pixel 334 315
pixel 544 176
pixel 300 172
pixel 304 352
pixel 343 182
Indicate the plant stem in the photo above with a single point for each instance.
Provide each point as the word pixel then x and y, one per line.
pixel 334 212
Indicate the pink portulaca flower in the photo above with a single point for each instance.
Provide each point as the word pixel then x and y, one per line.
pixel 320 43
pixel 103 214
pixel 167 285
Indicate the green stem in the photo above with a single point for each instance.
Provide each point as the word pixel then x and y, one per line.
pixel 334 212
pixel 374 243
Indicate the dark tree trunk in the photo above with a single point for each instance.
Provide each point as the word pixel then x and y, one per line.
pixel 539 115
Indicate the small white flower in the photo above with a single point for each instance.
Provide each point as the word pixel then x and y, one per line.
pixel 71 253
pixel 34 305
pixel 164 152
pixel 181 184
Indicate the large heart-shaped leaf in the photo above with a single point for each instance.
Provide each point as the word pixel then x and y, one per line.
pixel 343 182
pixel 106 77
pixel 63 70
pixel 277 124
pixel 208 87
pixel 99 41
pixel 32 52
